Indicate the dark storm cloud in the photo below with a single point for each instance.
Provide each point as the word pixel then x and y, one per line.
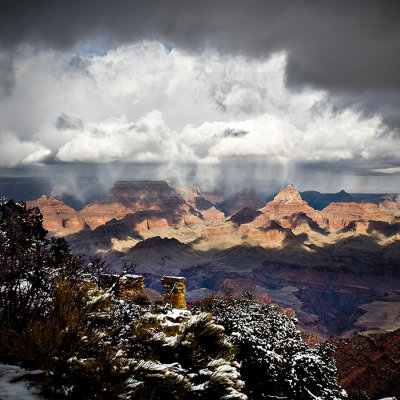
pixel 7 77
pixel 64 122
pixel 370 102
pixel 332 44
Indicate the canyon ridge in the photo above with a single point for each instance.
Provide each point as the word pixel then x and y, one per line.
pixel 335 264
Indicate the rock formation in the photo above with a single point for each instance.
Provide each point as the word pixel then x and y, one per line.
pixel 271 234
pixel 131 286
pixel 58 218
pixel 123 286
pixel 288 196
pixel 130 197
pixel 174 288
pixel 205 208
pixel 341 215
pixel 287 203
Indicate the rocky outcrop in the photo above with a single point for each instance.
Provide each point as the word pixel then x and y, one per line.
pixel 270 235
pixel 287 203
pixel 100 212
pixel 58 218
pixel 212 214
pixel 288 196
pixel 276 224
pixel 219 230
pixel 135 224
pixel 130 197
pixel 174 288
pixel 131 286
pixel 205 209
pixel 219 235
pixel 124 286
pixel 341 215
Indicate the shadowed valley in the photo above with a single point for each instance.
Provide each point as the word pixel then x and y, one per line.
pixel 337 267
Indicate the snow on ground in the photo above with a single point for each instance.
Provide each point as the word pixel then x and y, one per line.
pixel 12 387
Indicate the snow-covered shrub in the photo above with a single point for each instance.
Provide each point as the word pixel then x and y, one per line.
pixel 68 342
pixel 275 362
pixel 191 360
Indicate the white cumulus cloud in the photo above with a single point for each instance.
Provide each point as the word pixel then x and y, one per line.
pixel 146 103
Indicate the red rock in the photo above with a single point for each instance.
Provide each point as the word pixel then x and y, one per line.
pixel 218 230
pixel 137 223
pixel 361 227
pixel 58 218
pixel 205 208
pixel 148 224
pixel 369 362
pixel 270 234
pixel 259 221
pixel 191 219
pixel 99 212
pixel 212 215
pixel 288 196
pixel 132 197
pixel 287 203
pixel 341 215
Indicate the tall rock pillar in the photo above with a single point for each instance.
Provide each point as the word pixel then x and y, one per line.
pixel 174 287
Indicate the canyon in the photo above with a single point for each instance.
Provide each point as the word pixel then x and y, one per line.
pixel 337 267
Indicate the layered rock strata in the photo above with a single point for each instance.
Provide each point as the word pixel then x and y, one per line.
pixel 58 218
pixel 341 215
pixel 287 203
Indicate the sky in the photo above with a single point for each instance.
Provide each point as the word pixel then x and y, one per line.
pixel 228 92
